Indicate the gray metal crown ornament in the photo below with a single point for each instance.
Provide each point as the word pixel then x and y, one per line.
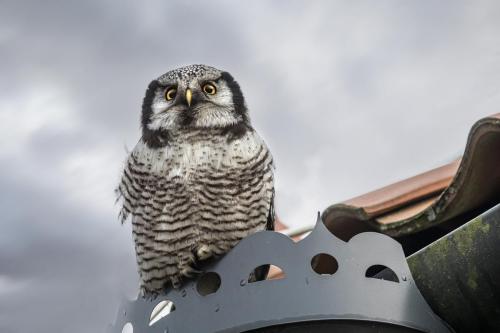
pixel 326 281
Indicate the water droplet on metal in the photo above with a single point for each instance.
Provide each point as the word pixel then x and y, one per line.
pixel 243 282
pixel 404 277
pixel 217 308
pixel 183 292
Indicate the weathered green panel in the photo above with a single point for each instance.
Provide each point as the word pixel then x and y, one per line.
pixel 459 274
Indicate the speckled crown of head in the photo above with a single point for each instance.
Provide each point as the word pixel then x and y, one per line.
pixel 188 72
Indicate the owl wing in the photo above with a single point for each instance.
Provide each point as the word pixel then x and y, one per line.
pixel 261 272
pixel 133 190
pixel 141 193
pixel 272 215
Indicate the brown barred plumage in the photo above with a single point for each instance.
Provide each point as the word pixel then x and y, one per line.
pixel 183 202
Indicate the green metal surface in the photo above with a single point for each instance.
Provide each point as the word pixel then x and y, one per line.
pixel 459 274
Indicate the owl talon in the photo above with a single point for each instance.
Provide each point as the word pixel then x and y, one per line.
pixel 192 272
pixel 149 295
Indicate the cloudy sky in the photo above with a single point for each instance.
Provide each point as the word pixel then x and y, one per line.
pixel 350 96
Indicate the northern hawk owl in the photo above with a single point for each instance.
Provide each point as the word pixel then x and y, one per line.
pixel 200 178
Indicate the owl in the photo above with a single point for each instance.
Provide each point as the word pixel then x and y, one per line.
pixel 200 178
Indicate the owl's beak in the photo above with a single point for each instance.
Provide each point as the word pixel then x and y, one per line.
pixel 189 96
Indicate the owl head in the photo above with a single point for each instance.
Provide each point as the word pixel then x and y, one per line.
pixel 192 97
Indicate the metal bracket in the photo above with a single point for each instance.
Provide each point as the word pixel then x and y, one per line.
pixel 339 285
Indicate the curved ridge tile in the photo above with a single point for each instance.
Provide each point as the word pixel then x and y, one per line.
pixel 431 198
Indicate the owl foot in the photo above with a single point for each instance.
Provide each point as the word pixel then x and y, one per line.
pixel 149 295
pixel 176 282
pixel 190 272
pixel 203 252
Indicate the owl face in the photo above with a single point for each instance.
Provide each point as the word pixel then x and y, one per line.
pixel 195 96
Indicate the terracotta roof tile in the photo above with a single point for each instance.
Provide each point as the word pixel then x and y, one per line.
pixel 430 198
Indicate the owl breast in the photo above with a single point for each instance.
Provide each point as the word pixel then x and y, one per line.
pixel 194 199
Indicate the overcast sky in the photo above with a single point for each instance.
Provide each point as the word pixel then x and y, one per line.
pixel 350 96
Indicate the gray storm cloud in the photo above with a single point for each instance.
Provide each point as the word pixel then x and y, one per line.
pixel 350 96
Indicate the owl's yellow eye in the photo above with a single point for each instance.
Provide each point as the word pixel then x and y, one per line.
pixel 209 89
pixel 170 93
